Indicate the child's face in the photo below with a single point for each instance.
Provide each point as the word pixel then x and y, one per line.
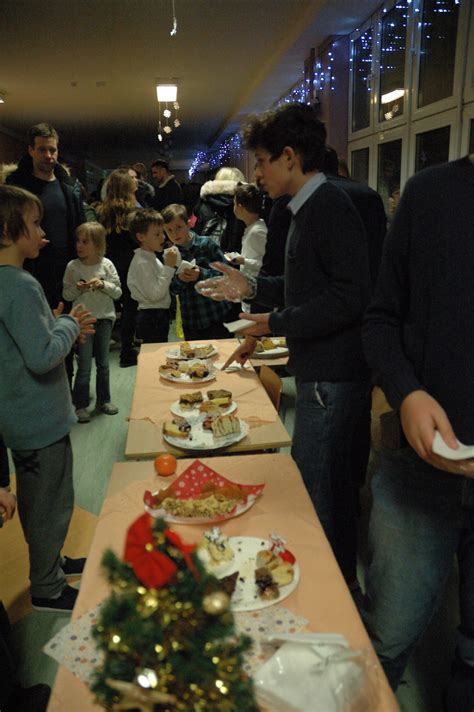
pixel 31 240
pixel 178 232
pixel 85 248
pixel 153 239
pixel 237 210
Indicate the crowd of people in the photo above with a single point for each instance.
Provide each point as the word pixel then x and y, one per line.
pixel 356 308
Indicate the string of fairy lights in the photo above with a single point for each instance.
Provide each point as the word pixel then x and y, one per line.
pixel 385 48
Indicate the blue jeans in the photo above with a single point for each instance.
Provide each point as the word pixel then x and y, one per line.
pixel 97 346
pixel 421 517
pixel 326 418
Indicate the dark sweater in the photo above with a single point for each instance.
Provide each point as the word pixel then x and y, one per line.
pixel 324 291
pixel 419 329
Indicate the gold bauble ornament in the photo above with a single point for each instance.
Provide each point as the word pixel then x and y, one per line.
pixel 216 603
pixel 135 697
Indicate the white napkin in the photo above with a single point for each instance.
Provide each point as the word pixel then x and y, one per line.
pixel 463 452
pixel 185 265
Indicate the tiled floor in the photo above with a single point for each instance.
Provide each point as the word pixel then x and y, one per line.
pixel 100 443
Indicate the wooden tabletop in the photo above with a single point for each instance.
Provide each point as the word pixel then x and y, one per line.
pixel 154 395
pixel 321 595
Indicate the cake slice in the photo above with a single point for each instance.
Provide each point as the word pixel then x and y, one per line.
pixel 225 425
pixel 186 350
pixel 220 397
pixel 188 401
pixel 203 351
pixel 177 428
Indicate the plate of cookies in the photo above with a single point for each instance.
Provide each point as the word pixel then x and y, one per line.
pixel 254 572
pixel 270 347
pixel 186 351
pixel 217 401
pixel 195 371
pixel 208 431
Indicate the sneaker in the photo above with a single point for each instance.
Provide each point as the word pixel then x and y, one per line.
pixel 107 408
pixel 63 604
pixel 72 567
pixel 83 415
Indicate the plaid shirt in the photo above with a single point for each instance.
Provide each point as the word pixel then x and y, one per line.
pixel 199 312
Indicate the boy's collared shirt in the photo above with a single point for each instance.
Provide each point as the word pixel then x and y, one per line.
pixel 199 312
pixel 306 192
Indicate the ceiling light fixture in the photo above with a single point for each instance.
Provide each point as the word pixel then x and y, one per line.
pixel 167 91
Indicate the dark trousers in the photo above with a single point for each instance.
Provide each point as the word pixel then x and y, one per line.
pixel 128 317
pixel 153 325
pixel 7 667
pixel 213 331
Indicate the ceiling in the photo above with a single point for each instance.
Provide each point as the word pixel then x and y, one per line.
pixel 89 66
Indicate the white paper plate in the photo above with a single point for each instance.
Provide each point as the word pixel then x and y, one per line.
pixel 176 353
pixel 277 352
pixel 176 409
pixel 245 596
pixel 204 439
pixel 240 509
pixel 185 378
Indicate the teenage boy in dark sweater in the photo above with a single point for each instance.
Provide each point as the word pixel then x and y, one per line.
pixel 321 300
pixel 419 339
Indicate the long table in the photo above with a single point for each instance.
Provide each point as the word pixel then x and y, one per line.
pixel 321 595
pixel 153 396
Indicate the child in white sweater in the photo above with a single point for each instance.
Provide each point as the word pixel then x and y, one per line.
pixel 148 278
pixel 247 207
pixel 93 281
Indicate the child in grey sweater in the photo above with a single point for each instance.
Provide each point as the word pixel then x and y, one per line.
pixel 36 413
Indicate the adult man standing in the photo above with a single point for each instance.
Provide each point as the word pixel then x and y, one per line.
pixel 419 339
pixel 167 189
pixel 321 300
pixel 41 174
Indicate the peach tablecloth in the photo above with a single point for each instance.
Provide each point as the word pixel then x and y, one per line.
pixel 154 395
pixel 284 508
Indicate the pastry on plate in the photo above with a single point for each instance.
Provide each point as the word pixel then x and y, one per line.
pixel 188 401
pixel 225 425
pixel 198 370
pixel 186 350
pixel 217 546
pixel 268 344
pixel 209 407
pixel 177 428
pixel 203 351
pixel 220 397
pixel 266 586
pixel 168 370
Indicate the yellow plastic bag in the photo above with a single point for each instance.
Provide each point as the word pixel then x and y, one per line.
pixel 179 321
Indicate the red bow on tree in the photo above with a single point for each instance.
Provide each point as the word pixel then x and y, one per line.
pixel 153 568
pixel 185 549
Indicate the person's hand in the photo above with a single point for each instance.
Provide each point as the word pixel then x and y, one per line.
pixel 238 260
pixel 96 283
pixel 232 286
pixel 242 353
pixel 190 274
pixel 170 257
pixel 421 416
pixel 59 310
pixel 7 504
pixel 85 320
pixel 82 286
pixel 261 324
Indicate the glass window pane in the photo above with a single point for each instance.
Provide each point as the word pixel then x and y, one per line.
pixel 392 62
pixel 471 138
pixel 388 174
pixel 361 71
pixel 360 165
pixel 439 24
pixel 432 147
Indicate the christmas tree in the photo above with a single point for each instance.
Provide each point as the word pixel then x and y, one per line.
pixel 167 631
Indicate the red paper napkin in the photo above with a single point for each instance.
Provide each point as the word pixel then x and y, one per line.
pixel 189 484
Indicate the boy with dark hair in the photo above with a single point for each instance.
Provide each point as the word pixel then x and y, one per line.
pixel 148 278
pixel 321 300
pixel 202 319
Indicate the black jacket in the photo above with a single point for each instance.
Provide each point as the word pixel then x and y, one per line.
pixel 217 200
pixel 419 329
pixel 23 178
pixel 167 194
pixel 324 291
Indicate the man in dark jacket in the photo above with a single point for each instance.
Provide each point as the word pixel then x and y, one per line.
pixel 167 188
pixel 321 300
pixel 41 174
